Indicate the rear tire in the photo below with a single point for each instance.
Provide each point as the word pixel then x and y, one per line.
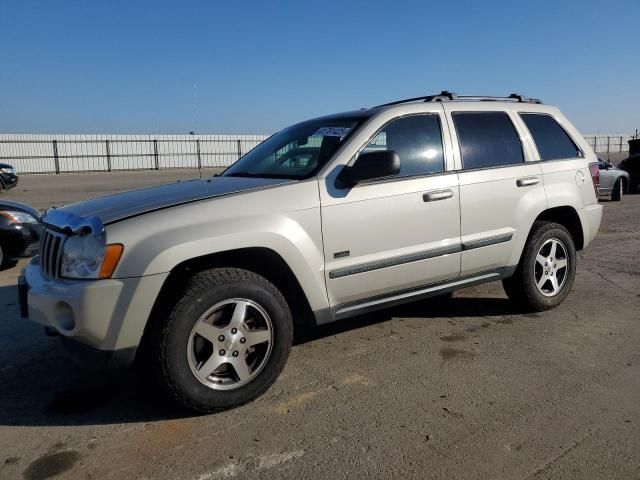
pixel 618 191
pixel 206 354
pixel 3 258
pixel 546 271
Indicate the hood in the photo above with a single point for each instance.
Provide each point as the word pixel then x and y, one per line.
pixel 118 206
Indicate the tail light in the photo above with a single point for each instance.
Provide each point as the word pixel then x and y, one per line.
pixel 594 169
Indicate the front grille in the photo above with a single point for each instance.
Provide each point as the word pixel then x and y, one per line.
pixel 51 253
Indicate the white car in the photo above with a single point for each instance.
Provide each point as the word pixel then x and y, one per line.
pixel 327 219
pixel 614 183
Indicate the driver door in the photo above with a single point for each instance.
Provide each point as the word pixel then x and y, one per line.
pixel 385 236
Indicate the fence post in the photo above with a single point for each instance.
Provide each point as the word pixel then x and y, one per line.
pixel 106 143
pixel 620 149
pixel 155 154
pixel 608 144
pixel 198 150
pixel 239 150
pixel 56 160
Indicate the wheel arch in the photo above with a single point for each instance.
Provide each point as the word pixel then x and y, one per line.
pixel 261 260
pixel 567 217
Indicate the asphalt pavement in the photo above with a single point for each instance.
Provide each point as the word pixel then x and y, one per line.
pixel 465 387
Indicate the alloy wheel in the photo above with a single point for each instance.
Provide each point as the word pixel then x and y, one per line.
pixel 551 267
pixel 230 344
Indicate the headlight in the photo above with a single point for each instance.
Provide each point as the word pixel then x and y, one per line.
pixel 18 217
pixel 9 170
pixel 89 257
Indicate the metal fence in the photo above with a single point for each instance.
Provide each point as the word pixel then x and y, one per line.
pixel 609 143
pixel 106 153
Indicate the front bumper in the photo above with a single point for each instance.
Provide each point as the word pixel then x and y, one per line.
pixel 9 180
pixel 98 317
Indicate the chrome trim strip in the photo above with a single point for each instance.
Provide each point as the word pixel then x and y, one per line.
pixel 485 242
pixel 393 261
pixel 415 257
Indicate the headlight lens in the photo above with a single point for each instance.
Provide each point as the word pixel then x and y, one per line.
pixel 11 171
pixel 89 257
pixel 18 217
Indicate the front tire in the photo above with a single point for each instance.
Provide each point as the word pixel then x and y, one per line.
pixel 618 191
pixel 226 340
pixel 546 270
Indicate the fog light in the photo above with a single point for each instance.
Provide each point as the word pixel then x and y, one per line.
pixel 64 316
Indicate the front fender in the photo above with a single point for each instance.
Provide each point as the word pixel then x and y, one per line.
pixel 159 241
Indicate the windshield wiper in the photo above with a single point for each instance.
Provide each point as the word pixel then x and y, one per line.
pixel 242 174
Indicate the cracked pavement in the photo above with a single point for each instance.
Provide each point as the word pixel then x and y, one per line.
pixel 465 387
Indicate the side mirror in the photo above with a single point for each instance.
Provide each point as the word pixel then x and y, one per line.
pixel 371 166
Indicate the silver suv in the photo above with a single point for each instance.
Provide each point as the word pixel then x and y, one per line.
pixel 330 218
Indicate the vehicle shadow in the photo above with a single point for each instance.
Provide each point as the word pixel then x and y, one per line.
pixel 42 387
pixel 431 308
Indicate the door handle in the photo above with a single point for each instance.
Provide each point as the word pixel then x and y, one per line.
pixel 437 195
pixel 527 181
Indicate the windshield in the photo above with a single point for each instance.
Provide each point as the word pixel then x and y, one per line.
pixel 296 152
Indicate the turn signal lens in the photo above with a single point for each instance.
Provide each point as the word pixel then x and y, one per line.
pixel 112 254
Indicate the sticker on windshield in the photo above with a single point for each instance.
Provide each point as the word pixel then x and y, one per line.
pixel 331 132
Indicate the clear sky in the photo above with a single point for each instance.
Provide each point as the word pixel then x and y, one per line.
pixel 136 66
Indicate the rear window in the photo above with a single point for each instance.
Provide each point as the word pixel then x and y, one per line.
pixel 552 141
pixel 487 139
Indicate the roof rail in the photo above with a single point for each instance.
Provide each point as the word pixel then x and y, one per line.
pixel 446 96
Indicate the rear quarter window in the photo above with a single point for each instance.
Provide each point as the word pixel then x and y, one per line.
pixel 552 141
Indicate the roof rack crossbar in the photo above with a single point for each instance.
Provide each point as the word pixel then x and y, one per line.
pixel 446 96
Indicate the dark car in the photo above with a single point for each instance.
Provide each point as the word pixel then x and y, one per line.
pixel 8 177
pixel 19 231
pixel 632 166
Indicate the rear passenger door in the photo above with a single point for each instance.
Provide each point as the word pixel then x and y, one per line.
pixel 501 188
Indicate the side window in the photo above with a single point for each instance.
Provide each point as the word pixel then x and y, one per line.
pixel 487 139
pixel 552 141
pixel 417 140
